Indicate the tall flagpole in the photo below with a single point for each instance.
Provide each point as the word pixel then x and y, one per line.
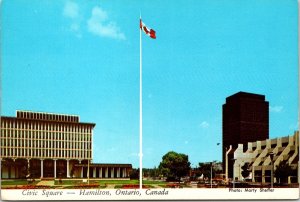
pixel 141 113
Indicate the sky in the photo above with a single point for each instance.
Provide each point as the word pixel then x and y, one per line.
pixel 82 58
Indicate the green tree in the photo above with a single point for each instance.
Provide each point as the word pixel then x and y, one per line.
pixel 205 169
pixel 146 172
pixel 283 170
pixel 154 173
pixel 135 173
pixel 174 165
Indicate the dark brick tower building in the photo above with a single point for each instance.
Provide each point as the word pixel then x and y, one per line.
pixel 245 119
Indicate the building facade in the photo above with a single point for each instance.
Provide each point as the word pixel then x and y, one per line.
pixel 45 145
pixel 107 170
pixel 262 155
pixel 245 119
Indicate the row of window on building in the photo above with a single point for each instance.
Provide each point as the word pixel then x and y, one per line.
pixel 44 144
pixel 47 116
pixel 46 126
pixel 44 135
pixel 29 152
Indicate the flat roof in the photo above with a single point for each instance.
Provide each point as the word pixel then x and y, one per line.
pixel 45 121
pixel 246 95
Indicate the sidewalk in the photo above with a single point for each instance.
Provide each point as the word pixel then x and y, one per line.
pixel 46 183
pixel 110 186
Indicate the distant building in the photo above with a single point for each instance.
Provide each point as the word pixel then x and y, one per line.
pixel 257 155
pixel 45 145
pixel 245 119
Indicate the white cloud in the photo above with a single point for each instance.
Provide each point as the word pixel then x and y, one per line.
pixel 204 124
pixel 276 109
pixel 71 10
pixel 186 142
pixel 100 25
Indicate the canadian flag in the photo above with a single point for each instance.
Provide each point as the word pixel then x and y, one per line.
pixel 150 32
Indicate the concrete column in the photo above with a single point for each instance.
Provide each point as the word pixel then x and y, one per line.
pixel 14 166
pixel 112 172
pixel 54 168
pixel 118 172
pixel 42 168
pixel 81 169
pixel 263 177
pixel 106 172
pixel 253 172
pixel 125 171
pixel 28 166
pixel 68 168
pixel 94 172
pixel 88 170
pixel 100 172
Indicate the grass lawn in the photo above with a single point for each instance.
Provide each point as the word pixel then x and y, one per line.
pixel 118 186
pixel 67 182
pixel 147 182
pixel 101 183
pixel 105 182
pixel 118 182
pixel 122 182
pixel 17 182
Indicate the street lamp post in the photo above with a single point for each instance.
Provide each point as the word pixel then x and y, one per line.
pixel 272 168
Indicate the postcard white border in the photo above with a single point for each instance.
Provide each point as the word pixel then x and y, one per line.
pixel 136 194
